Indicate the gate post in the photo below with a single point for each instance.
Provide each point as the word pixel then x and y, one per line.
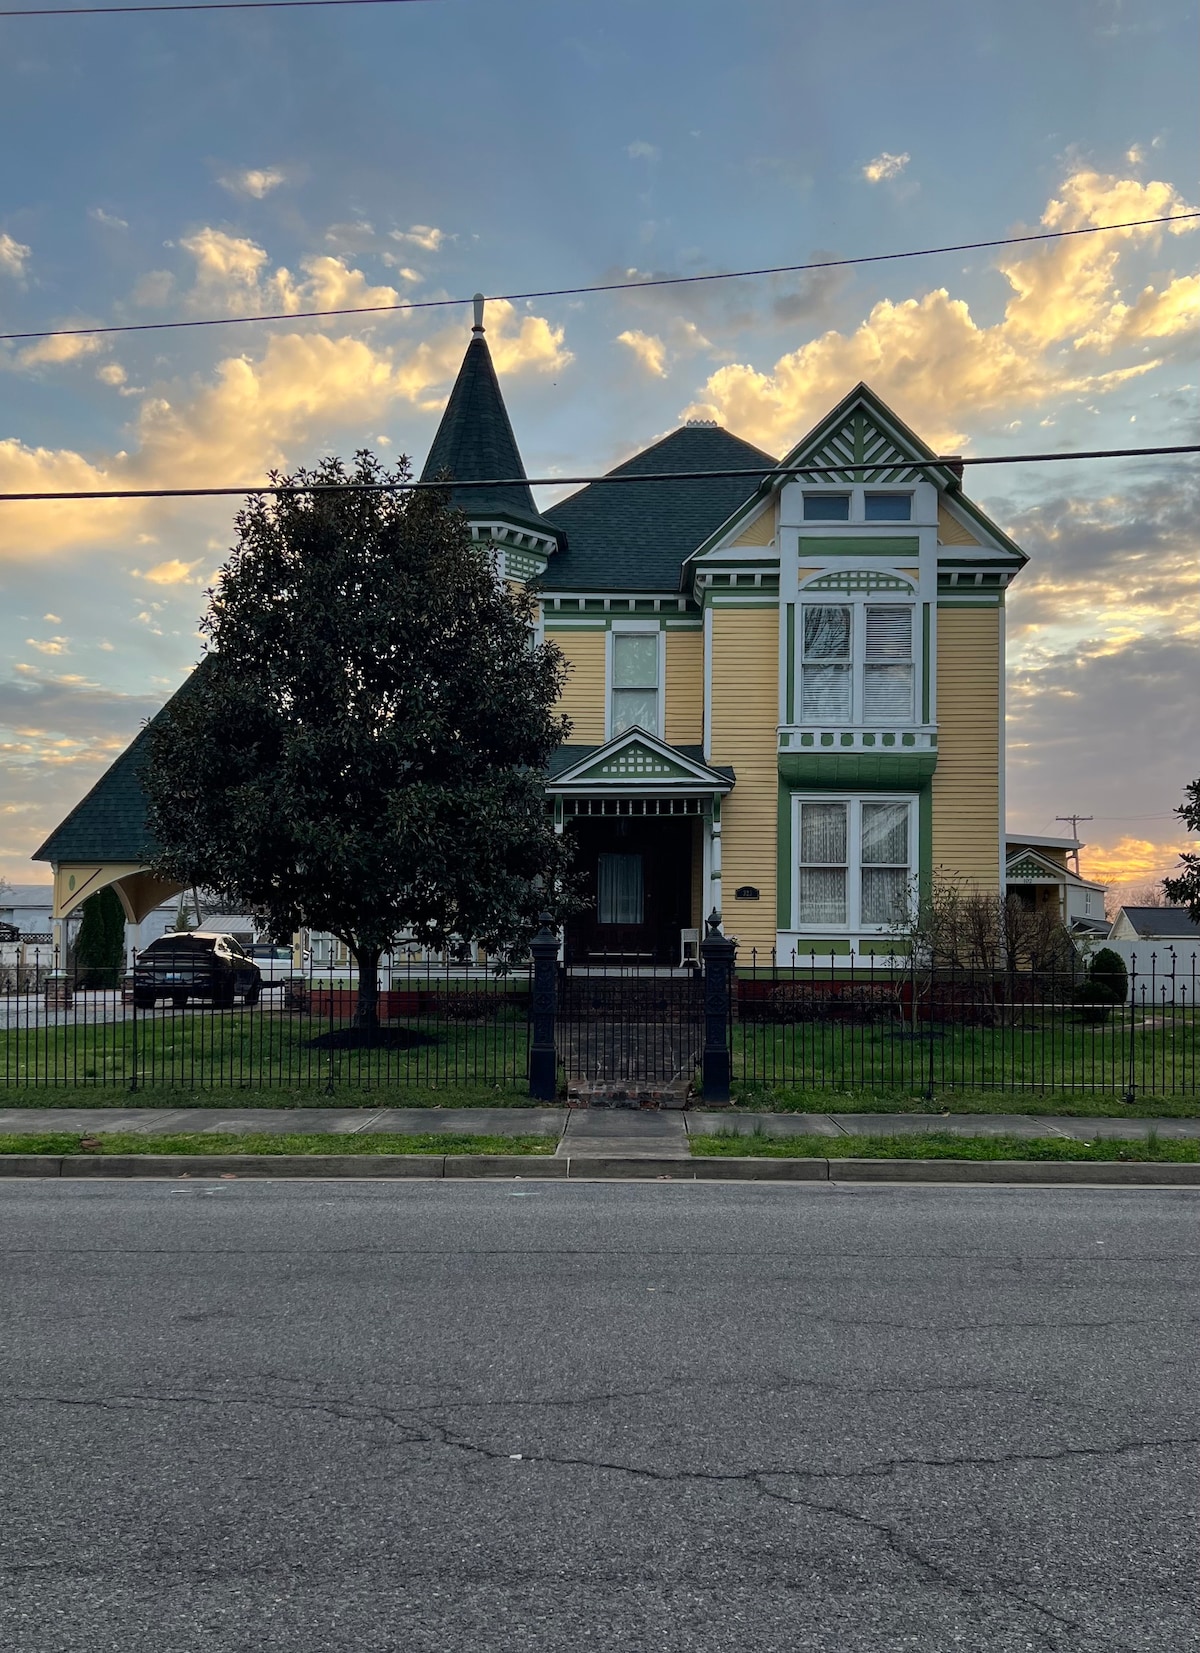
pixel 717 952
pixel 543 1058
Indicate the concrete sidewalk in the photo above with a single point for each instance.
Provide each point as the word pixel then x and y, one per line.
pixel 584 1132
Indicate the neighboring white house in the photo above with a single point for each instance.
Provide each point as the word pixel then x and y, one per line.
pixel 1038 870
pixel 1155 924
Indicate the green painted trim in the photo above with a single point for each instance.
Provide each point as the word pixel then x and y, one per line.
pixel 718 599
pixel 882 949
pixel 902 545
pixel 867 771
pixel 972 602
pixel 791 663
pixel 924 846
pixel 925 661
pixel 783 853
pixel 818 945
pixel 606 622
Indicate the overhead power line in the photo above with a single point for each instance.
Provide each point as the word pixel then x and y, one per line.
pixel 597 287
pixel 756 474
pixel 196 5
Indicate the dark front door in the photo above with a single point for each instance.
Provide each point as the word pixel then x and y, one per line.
pixel 637 883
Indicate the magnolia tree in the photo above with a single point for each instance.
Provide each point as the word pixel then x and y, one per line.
pixel 361 749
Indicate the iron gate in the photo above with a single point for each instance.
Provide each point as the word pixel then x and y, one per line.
pixel 632 1024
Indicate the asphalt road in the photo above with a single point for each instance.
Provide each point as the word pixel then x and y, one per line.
pixel 326 1417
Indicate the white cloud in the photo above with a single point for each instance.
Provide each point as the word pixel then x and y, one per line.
pixel 13 255
pixel 53 619
pixel 640 150
pixel 108 219
pixel 650 351
pixel 1136 154
pixel 171 572
pixel 112 373
pixel 254 414
pixel 424 236
pixel 49 645
pixel 885 166
pixel 54 352
pixel 940 368
pixel 253 181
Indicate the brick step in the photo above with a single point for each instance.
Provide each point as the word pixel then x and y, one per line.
pixel 627 1093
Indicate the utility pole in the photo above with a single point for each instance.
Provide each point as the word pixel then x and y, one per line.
pixel 1074 820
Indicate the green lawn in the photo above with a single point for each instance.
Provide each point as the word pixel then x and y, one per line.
pixel 259 1142
pixel 1078 1104
pixel 940 1145
pixel 206 1049
pixel 1159 1052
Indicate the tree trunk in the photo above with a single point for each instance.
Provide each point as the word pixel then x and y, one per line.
pixel 366 1013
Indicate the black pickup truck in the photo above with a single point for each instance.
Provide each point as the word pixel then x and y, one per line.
pixel 192 965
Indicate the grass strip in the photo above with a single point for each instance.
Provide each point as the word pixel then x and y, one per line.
pixel 98 1095
pixel 262 1142
pixel 1066 1104
pixel 941 1145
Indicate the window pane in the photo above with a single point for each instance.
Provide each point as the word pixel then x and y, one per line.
pixel 887 507
pixel 887 694
pixel 826 632
pixel 889 633
pixel 822 895
pixel 885 835
pixel 884 892
pixel 635 707
pixel 635 660
pixel 619 889
pixel 823 832
pixel 825 694
pixel 827 507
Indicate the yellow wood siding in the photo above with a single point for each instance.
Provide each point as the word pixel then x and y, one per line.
pixel 698 913
pixel 683 724
pixel 745 709
pixel 583 696
pixel 966 784
pixel 951 531
pixel 761 531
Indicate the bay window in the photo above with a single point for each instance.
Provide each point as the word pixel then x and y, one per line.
pixel 635 682
pixel 856 862
pixel 856 663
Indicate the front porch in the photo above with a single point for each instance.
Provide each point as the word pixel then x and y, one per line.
pixel 645 818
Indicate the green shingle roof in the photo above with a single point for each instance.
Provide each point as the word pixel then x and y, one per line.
pixel 475 441
pixel 109 824
pixel 635 537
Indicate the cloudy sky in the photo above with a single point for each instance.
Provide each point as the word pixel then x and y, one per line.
pixel 161 168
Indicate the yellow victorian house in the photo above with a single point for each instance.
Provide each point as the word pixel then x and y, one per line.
pixel 786 687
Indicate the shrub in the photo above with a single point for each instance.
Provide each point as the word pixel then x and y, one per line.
pixel 1094 999
pixel 1108 971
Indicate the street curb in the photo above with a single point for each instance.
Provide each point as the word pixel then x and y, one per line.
pixel 467 1167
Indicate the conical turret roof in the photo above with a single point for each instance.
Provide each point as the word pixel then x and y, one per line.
pixel 475 442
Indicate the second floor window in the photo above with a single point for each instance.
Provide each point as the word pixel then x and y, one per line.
pixel 857 663
pixel 635 681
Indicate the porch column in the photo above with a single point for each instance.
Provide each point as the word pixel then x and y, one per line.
pixel 712 857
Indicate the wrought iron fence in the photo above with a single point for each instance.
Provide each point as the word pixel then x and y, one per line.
pixel 851 1023
pixel 629 1024
pixel 439 1024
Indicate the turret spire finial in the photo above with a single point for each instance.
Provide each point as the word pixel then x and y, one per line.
pixel 479 301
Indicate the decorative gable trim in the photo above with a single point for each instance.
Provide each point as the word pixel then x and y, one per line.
pixel 1028 867
pixel 636 761
pixel 868 452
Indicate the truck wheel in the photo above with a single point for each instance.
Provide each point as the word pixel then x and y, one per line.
pixel 179 999
pixel 252 994
pixel 144 1001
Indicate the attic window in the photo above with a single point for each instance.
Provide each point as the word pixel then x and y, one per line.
pixel 827 507
pixel 887 507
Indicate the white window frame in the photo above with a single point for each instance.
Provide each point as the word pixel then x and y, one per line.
pixel 642 626
pixel 858 511
pixel 858 604
pixel 854 867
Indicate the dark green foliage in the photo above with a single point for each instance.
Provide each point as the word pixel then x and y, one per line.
pixel 1108 971
pixel 362 748
pixel 100 944
pixel 1186 888
pixel 1094 999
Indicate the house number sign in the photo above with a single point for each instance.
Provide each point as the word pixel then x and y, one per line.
pixel 745 892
